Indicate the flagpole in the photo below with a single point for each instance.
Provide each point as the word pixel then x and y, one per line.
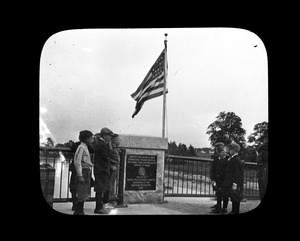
pixel 164 91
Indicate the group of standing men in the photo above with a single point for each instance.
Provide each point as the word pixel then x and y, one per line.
pixel 226 172
pixel 227 175
pixel 104 164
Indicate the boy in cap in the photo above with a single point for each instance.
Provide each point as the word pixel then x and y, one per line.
pixel 102 169
pixel 233 179
pixel 73 179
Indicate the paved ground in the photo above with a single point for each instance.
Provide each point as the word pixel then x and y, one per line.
pixel 172 205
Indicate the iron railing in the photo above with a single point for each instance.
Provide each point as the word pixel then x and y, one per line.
pixel 60 158
pixel 183 176
pixel 190 177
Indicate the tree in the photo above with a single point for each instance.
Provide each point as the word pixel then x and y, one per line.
pixel 49 142
pixel 59 145
pixel 173 149
pixel 182 149
pixel 69 143
pixel 256 136
pixel 227 128
pixel 191 151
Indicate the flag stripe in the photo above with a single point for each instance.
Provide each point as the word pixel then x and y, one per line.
pixel 153 95
pixel 153 91
pixel 147 78
pixel 153 82
pixel 152 85
pixel 149 74
pixel 157 82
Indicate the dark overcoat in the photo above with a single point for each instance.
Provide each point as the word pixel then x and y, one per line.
pixel 101 166
pixel 218 168
pixel 263 167
pixel 233 172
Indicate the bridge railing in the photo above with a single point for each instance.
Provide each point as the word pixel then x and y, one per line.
pixel 183 176
pixel 190 176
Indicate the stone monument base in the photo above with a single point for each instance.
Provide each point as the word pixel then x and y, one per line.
pixel 143 168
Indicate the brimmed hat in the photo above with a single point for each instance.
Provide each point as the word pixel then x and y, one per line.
pixel 106 131
pixel 234 146
pixel 218 144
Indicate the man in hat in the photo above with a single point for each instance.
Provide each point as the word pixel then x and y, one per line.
pixel 262 160
pixel 114 164
pixel 233 179
pixel 102 168
pixel 217 177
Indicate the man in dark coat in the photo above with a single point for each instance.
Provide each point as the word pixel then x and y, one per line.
pixel 233 179
pixel 102 169
pixel 114 164
pixel 262 160
pixel 217 177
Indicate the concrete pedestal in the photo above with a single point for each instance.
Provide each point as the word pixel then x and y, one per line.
pixel 143 168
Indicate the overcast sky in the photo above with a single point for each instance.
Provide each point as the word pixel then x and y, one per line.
pixel 87 77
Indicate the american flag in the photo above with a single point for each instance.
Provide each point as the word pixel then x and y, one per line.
pixel 152 85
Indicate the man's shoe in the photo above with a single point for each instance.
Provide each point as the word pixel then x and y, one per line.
pixel 214 206
pixel 217 210
pixel 102 211
pixel 78 213
pixel 108 206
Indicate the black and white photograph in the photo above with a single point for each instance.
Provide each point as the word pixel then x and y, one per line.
pixel 153 121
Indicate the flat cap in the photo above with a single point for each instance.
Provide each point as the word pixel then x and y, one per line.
pixel 106 131
pixel 218 144
pixel 234 146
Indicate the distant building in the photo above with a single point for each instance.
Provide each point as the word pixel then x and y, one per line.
pixel 203 151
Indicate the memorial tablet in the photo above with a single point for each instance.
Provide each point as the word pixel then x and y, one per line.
pixel 140 172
